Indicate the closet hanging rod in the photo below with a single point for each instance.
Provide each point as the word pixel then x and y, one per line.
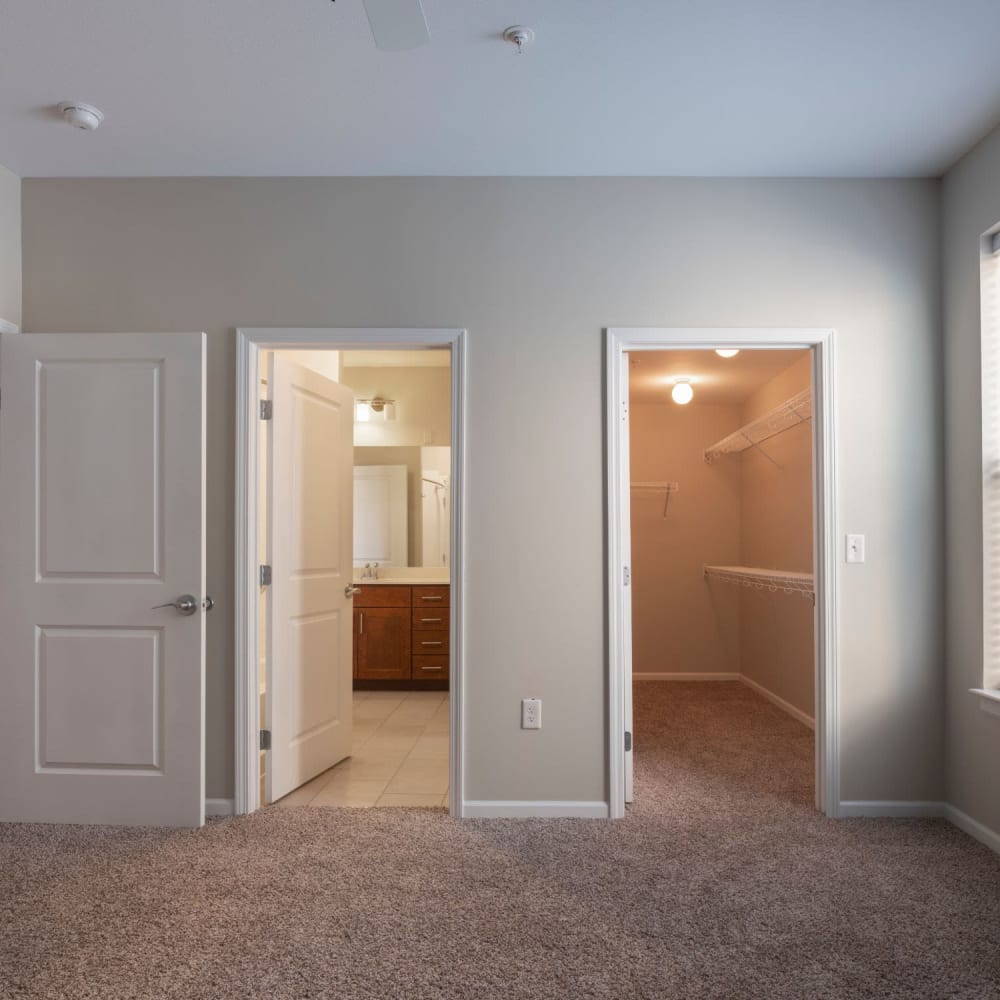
pixel 773 580
pixel 783 417
pixel 655 487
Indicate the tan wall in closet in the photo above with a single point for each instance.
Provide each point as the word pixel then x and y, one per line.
pixel 679 623
pixel 776 530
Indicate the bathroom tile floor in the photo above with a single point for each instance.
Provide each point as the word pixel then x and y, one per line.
pixel 399 757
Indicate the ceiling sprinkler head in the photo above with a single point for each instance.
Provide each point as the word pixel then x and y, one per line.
pixel 520 36
pixel 81 115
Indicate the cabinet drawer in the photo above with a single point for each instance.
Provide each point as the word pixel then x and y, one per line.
pixel 430 597
pixel 377 596
pixel 431 641
pixel 431 617
pixel 430 668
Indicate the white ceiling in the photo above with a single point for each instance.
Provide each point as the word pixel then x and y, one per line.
pixel 634 87
pixel 714 379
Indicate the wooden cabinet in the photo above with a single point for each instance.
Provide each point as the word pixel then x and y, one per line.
pixel 401 636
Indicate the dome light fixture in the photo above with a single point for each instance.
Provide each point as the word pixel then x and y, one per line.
pixel 727 352
pixel 682 393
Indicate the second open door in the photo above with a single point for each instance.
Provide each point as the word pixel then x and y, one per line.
pixel 310 542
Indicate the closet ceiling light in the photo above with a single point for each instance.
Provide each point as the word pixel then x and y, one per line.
pixel 727 352
pixel 682 392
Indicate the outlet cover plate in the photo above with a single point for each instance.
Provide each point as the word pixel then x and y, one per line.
pixel 531 713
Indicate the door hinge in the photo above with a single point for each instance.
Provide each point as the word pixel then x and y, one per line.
pixel 265 739
pixel 266 409
pixel 265 575
pixel 628 742
pixel 626 575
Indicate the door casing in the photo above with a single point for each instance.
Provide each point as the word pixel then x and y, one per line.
pixel 619 342
pixel 251 342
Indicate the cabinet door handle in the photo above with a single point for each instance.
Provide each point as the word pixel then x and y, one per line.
pixel 430 621
pixel 361 622
pixel 431 643
pixel 432 598
pixel 430 668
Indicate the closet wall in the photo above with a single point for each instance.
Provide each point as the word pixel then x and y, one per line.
pixel 749 509
pixel 776 532
pixel 680 625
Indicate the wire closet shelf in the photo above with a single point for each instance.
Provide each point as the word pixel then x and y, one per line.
pixel 773 580
pixel 786 415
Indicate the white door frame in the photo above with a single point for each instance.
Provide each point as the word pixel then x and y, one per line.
pixel 621 340
pixel 250 342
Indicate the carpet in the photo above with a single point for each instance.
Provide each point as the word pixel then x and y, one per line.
pixel 722 882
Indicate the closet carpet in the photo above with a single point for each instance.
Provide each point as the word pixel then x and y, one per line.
pixel 722 882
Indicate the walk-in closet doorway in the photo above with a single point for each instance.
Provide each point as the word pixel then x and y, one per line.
pixel 797 363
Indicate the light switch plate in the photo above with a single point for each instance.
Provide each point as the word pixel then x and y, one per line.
pixel 855 548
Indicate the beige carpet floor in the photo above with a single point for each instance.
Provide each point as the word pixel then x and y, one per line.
pixel 722 882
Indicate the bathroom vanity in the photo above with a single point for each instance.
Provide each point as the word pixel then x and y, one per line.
pixel 401 635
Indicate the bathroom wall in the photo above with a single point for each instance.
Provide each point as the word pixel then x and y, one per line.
pixel 680 623
pixel 776 519
pixel 423 405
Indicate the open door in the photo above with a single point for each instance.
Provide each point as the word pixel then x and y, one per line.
pixel 102 597
pixel 310 615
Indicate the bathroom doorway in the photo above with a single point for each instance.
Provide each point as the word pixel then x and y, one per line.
pixel 391 696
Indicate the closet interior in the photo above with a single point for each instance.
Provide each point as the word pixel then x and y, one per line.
pixel 721 471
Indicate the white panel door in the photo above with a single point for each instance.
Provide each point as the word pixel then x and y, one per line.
pixel 311 619
pixel 102 488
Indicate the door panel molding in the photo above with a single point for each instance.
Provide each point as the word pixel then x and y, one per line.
pixel 250 343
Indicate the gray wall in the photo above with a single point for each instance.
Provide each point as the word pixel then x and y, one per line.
pixel 535 269
pixel 10 247
pixel 971 206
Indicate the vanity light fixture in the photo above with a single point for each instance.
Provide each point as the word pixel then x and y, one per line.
pixel 682 392
pixel 727 352
pixel 377 408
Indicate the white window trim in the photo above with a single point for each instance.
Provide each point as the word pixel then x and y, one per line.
pixel 990 468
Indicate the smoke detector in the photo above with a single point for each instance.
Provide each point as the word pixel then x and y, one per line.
pixel 519 35
pixel 81 115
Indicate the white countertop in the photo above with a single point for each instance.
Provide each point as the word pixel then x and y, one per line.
pixel 404 576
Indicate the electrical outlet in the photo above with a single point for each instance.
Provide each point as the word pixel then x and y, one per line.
pixel 531 713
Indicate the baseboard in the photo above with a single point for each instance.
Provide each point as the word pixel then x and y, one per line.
pixel 892 809
pixel 974 828
pixel 785 706
pixel 513 809
pixel 685 677
pixel 218 807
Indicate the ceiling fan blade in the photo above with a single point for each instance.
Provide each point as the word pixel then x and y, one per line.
pixel 397 24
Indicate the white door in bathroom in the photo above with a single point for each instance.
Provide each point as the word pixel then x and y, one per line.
pixel 102 600
pixel 310 613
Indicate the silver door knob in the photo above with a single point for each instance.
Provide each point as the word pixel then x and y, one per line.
pixel 208 603
pixel 186 604
pixel 350 590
